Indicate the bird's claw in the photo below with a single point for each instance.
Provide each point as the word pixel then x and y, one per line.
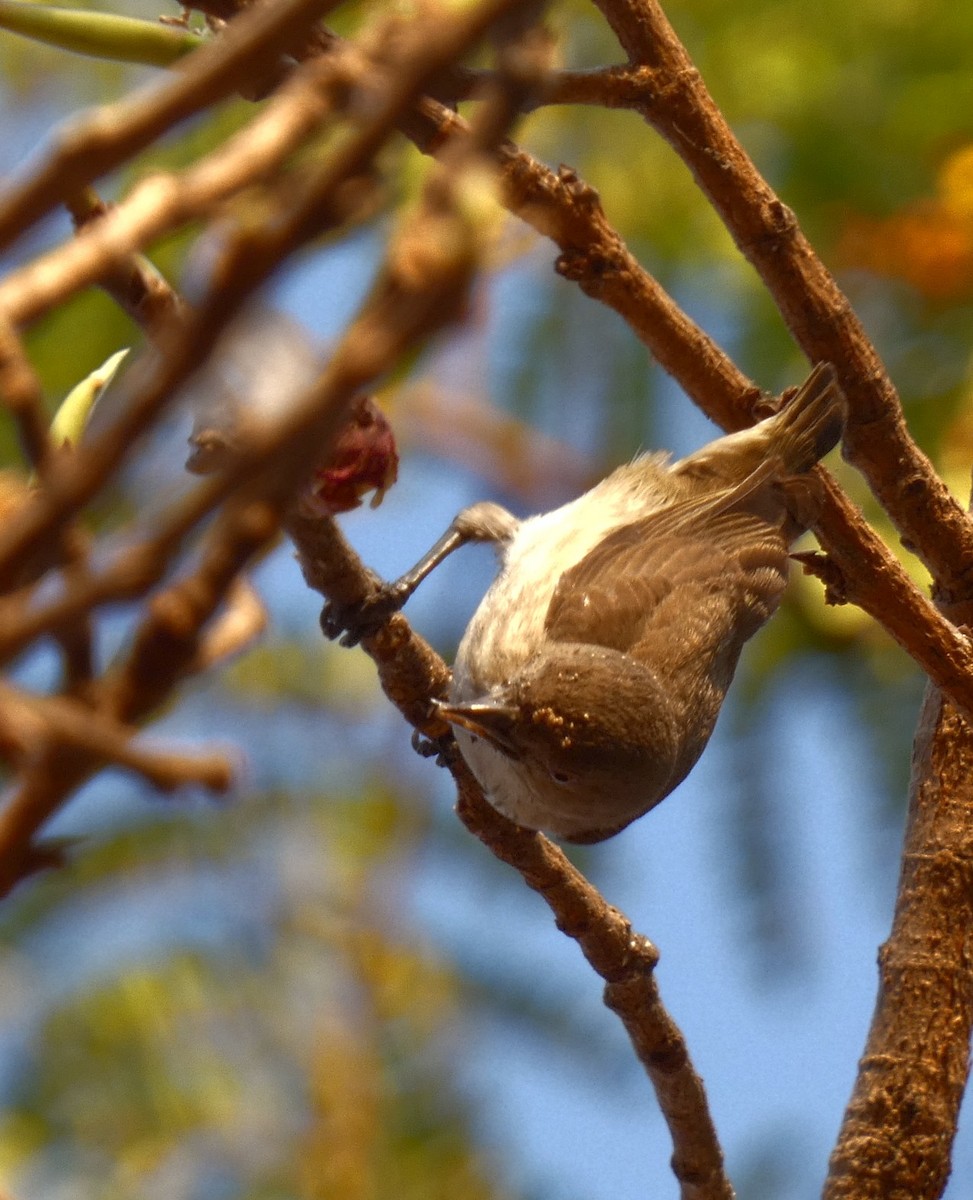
pixel 441 748
pixel 351 623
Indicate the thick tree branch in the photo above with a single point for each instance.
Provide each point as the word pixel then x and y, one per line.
pixel 897 1135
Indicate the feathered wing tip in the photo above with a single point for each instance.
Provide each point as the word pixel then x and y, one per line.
pixel 812 422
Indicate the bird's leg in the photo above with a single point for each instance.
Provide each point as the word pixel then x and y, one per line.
pixel 484 522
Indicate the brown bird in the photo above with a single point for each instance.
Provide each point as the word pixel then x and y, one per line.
pixel 590 678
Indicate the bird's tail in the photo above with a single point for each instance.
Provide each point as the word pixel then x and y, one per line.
pixel 809 424
pixel 787 443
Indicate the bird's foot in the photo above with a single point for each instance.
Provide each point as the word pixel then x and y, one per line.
pixel 443 749
pixel 350 623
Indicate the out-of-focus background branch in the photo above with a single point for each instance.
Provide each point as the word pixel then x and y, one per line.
pixel 320 985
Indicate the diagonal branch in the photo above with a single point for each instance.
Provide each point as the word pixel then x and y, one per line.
pixel 108 137
pixel 677 104
pixel 411 672
pixel 564 208
pixel 404 308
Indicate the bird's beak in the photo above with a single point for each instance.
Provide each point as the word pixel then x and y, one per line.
pixel 495 723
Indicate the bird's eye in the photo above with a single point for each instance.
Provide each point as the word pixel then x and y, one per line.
pixel 561 777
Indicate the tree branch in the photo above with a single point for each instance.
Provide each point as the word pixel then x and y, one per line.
pixel 564 208
pixel 108 137
pixel 411 673
pixel 422 288
pixel 897 1135
pixel 678 105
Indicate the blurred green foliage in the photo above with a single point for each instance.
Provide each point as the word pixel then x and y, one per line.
pixel 301 1054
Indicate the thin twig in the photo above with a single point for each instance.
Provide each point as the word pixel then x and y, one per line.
pixel 136 286
pixel 411 673
pixel 107 137
pixel 28 724
pixel 626 961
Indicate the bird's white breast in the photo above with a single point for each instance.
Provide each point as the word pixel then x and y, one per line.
pixel 508 627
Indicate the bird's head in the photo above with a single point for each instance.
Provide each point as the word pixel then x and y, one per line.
pixel 592 731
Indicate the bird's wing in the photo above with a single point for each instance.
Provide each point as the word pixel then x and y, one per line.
pixel 691 573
